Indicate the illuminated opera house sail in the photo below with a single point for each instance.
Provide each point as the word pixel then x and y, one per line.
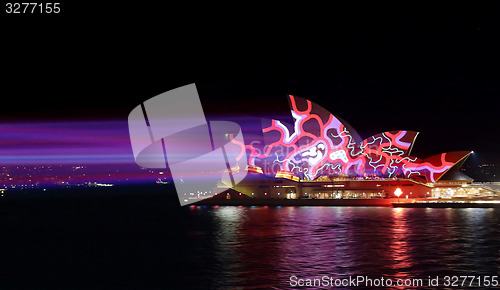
pixel 318 155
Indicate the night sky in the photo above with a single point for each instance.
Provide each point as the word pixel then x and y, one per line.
pixel 436 73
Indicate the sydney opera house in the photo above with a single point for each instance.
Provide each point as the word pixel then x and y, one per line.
pixel 320 156
pixel 304 153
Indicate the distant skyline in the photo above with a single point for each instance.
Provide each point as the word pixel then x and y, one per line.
pixel 102 148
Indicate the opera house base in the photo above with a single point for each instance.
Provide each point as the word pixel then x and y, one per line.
pixel 282 192
pixel 297 202
pixel 450 203
pixel 386 202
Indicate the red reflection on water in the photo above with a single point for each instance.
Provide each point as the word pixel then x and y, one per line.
pixel 264 246
pixel 399 247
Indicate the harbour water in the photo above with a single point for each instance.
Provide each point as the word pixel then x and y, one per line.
pixel 150 242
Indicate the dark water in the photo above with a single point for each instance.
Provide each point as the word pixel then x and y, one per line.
pixel 127 242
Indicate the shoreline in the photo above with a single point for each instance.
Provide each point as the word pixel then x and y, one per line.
pixel 378 202
pixel 386 202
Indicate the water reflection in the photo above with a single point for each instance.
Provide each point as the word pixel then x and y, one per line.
pixel 399 248
pixel 263 246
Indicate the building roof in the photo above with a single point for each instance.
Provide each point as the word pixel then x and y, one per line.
pixel 320 144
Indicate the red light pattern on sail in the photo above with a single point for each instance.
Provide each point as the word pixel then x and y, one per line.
pixel 314 147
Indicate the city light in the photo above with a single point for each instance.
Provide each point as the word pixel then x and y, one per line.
pixel 398 192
